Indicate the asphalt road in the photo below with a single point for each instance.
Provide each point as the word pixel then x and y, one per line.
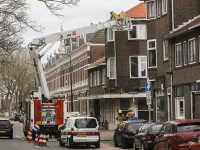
pixel 19 142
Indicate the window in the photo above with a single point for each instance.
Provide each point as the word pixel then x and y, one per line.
pixel 98 78
pixel 110 34
pixel 137 32
pixel 85 123
pixel 160 105
pixel 152 58
pixel 180 108
pixel 138 66
pixel 165 50
pixel 185 53
pixel 164 7
pixel 94 79
pixel 179 91
pixel 124 104
pixel 74 45
pixel 103 76
pixel 191 51
pixel 111 68
pixel 150 9
pixel 178 54
pixel 199 49
pixel 90 79
pixel 158 8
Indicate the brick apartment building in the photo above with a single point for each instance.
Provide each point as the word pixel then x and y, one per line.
pixel 173 57
pixel 83 50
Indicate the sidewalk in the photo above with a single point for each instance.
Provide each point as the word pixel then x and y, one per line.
pixel 106 135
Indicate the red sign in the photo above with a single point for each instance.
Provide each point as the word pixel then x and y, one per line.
pixel 73 33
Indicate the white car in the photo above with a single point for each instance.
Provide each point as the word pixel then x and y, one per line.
pixel 80 131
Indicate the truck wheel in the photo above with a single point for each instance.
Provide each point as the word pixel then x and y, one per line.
pixel 11 136
pixel 61 143
pixel 97 145
pixel 115 141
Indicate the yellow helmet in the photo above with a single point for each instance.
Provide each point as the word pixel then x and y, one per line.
pixel 120 111
pixel 111 12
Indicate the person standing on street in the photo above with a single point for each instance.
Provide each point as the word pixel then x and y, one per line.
pixel 128 115
pixel 133 116
pixel 120 117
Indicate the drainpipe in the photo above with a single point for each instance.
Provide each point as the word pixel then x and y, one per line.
pixel 171 76
pixel 172 15
pixel 115 60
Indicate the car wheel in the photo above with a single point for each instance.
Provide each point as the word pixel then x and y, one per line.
pixel 97 145
pixel 11 136
pixel 69 144
pixel 169 148
pixel 25 134
pixel 61 143
pixel 124 145
pixel 115 141
pixel 134 146
pixel 155 147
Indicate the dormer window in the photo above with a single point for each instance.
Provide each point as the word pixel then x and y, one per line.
pixel 164 7
pixel 150 10
pixel 110 34
pixel 74 45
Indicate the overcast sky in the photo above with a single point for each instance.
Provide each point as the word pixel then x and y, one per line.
pixel 87 11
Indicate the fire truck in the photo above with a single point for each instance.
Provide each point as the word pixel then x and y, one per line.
pixel 44 112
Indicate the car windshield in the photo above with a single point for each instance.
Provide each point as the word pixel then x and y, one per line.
pixel 85 123
pixel 190 127
pixel 155 128
pixel 4 122
pixel 134 126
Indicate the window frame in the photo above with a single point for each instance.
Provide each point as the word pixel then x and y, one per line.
pixel 150 49
pixel 189 51
pixel 199 47
pixel 164 50
pixel 108 35
pixel 158 8
pixel 108 68
pixel 148 11
pixel 164 5
pixel 94 78
pixel 185 53
pixel 179 65
pixel 139 35
pixel 91 82
pixel 139 67
pixel 98 77
pixel 177 106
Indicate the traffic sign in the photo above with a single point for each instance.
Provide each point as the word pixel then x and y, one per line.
pixel 148 98
pixel 148 88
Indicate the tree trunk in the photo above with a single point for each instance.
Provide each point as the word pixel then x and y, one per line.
pixel 11 96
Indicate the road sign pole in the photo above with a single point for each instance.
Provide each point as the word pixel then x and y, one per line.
pixel 148 97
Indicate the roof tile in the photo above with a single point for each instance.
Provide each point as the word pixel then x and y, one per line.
pixel 138 11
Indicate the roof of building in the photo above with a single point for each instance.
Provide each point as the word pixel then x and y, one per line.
pixel 99 37
pixel 97 63
pixel 138 11
pixel 185 27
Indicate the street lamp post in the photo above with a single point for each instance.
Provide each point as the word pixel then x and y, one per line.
pixel 70 70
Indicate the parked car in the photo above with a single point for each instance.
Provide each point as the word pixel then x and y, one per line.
pixel 145 136
pixel 6 128
pixel 195 144
pixel 125 132
pixel 177 134
pixel 17 116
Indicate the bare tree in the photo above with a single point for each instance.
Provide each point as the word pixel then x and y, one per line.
pixel 57 5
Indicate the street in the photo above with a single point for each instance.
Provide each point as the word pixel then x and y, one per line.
pixel 19 142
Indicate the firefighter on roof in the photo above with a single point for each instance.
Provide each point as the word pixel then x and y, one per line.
pixel 113 15
pixel 122 18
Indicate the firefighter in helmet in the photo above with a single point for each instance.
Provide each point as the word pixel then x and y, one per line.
pixel 120 117
pixel 113 15
pixel 128 115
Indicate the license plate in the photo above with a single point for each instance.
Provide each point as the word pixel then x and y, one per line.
pixel 82 135
pixel 2 131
